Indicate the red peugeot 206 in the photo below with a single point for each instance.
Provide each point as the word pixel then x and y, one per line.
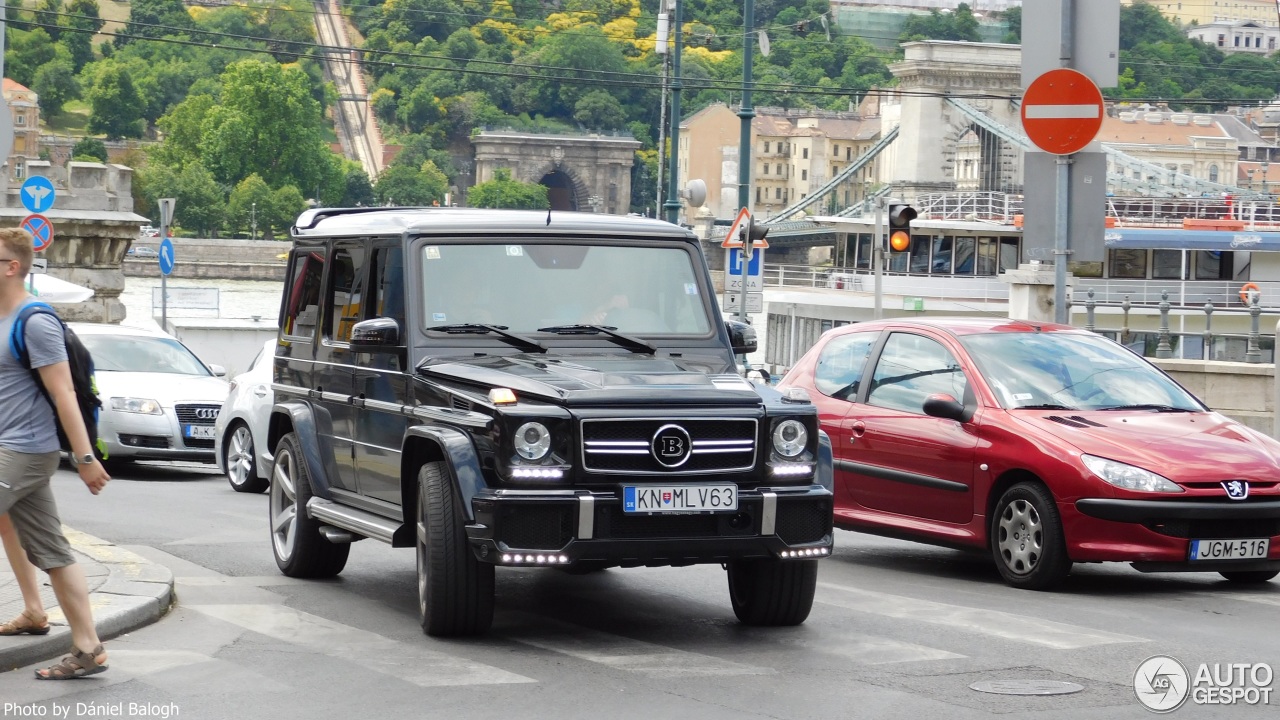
pixel 1047 444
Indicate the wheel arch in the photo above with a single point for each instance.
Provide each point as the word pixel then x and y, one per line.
pixel 429 443
pixel 296 417
pixel 1006 480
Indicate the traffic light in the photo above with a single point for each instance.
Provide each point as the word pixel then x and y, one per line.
pixel 750 233
pixel 900 217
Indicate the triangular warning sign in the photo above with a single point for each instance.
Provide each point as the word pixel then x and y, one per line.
pixel 732 240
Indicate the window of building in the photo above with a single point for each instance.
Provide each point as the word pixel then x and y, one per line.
pixel 804 174
pixel 1222 40
pixel 806 153
pixel 766 168
pixel 835 170
pixel 835 150
pixel 777 193
pixel 20 119
pixel 964 256
pixel 987 248
pixel 848 155
pixel 1127 263
pixel 766 146
pixel 19 170
pixel 1166 264
pixel 864 250
pixel 1008 254
pixel 1214 265
pixel 1213 173
pixel 757 194
pixel 1271 43
pixel 941 261
pixel 1237 41
pixel 920 253
pixel 346 293
pixel 302 301
pixel 20 144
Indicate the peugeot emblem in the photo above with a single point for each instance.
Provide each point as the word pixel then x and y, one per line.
pixel 207 413
pixel 1236 489
pixel 671 446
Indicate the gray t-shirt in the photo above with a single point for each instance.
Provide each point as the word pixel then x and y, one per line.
pixel 27 421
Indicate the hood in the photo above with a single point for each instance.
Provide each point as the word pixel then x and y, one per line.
pixel 1184 447
pixel 165 388
pixel 590 379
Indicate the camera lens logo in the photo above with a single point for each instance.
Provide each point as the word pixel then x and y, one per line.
pixel 1162 684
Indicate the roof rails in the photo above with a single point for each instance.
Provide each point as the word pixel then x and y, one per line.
pixel 310 218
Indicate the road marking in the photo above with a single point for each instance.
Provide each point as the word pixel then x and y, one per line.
pixel 1018 628
pixel 1062 112
pixel 407 662
pixel 872 650
pixel 622 653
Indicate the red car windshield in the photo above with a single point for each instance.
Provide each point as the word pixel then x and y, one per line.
pixel 1072 372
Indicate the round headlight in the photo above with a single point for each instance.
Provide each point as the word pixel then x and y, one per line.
pixel 533 440
pixel 789 438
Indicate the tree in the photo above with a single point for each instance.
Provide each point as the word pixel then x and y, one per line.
pixel 287 204
pixel 182 131
pixel 250 202
pixel 145 15
pixel 598 110
pixel 1013 16
pixel 200 205
pixel 90 147
pixel 115 110
pixel 399 185
pixel 55 83
pixel 503 192
pixel 267 123
pixel 359 191
pixel 26 52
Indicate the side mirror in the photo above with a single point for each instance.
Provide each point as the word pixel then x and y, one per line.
pixel 218 370
pixel 742 337
pixel 944 406
pixel 376 335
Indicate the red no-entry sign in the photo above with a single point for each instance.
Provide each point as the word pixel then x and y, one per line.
pixel 1062 111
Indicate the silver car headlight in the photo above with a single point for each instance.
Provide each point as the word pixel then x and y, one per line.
pixel 532 441
pixel 142 406
pixel 1128 477
pixel 790 438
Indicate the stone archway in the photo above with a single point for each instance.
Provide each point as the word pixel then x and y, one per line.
pixel 589 173
pixel 560 190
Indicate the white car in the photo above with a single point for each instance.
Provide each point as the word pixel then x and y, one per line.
pixel 159 401
pixel 242 426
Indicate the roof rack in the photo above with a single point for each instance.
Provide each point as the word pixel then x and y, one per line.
pixel 310 218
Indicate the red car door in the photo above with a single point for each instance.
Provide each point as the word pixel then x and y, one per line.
pixel 906 462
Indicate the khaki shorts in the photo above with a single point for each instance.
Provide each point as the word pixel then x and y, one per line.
pixel 26 495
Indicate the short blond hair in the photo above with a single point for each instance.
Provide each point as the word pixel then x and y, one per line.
pixel 18 245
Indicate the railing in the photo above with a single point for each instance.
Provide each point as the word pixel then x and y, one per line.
pixel 1184 293
pixel 985 205
pixel 939 287
pixel 1252 347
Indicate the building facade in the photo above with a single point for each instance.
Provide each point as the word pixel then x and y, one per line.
pixel 24 105
pixel 1241 36
pixel 1204 12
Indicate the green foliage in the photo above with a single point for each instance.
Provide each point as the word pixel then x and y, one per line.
pixel 1013 16
pixel 598 110
pixel 55 83
pixel 403 186
pixel 26 51
pixel 503 192
pixel 959 24
pixel 114 105
pixel 358 191
pixel 146 13
pixel 90 147
pixel 250 202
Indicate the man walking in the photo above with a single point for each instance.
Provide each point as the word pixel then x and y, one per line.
pixel 29 455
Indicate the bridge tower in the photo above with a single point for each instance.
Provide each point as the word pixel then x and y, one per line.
pixel 925 158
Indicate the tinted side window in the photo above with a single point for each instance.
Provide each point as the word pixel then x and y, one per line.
pixel 388 280
pixel 841 364
pixel 910 369
pixel 302 301
pixel 346 290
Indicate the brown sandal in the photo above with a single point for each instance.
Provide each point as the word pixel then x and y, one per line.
pixel 25 624
pixel 76 665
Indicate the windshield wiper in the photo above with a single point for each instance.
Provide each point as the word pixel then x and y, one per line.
pixel 1045 406
pixel 634 344
pixel 1149 406
pixel 483 329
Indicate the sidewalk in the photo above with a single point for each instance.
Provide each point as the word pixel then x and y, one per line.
pixel 125 590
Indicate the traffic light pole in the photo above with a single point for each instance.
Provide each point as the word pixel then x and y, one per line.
pixel 877 259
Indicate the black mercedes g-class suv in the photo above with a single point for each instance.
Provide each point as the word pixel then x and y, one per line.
pixel 532 389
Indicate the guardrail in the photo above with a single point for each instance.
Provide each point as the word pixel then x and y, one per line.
pixel 1206 345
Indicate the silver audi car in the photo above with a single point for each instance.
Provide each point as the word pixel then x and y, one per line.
pixel 159 401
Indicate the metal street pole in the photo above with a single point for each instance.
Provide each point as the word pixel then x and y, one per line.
pixel 1062 224
pixel 672 204
pixel 877 259
pixel 745 110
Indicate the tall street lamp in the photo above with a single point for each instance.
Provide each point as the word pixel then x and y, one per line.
pixel 672 204
pixel 253 213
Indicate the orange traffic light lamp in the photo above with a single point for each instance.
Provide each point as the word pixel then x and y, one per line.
pixel 900 217
pixel 900 240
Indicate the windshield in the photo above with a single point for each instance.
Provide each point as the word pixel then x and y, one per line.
pixel 1071 372
pixel 646 290
pixel 131 353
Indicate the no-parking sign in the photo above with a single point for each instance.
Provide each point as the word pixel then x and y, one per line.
pixel 41 231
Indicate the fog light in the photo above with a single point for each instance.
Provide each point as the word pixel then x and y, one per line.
pixel 564 559
pixel 506 558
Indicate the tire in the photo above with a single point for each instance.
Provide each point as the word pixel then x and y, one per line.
pixel 1250 577
pixel 1027 541
pixel 238 458
pixel 299 548
pixel 772 593
pixel 455 590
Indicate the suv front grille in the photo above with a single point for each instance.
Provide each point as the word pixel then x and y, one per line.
pixel 536 527
pixel 623 446
pixel 803 522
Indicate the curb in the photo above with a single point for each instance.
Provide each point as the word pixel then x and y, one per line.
pixel 135 593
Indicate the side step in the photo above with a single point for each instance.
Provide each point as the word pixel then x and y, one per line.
pixel 364 524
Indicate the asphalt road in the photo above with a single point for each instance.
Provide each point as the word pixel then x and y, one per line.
pixel 899 630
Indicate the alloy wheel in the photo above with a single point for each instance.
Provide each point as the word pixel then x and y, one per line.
pixel 1021 540
pixel 284 504
pixel 240 456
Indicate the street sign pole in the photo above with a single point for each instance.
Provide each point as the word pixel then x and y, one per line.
pixel 166 215
pixel 1062 224
pixel 877 259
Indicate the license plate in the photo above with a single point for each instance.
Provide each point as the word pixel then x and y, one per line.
pixel 1252 549
pixel 204 432
pixel 679 498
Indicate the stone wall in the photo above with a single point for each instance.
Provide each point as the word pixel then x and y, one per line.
pixel 93 223
pixel 1244 392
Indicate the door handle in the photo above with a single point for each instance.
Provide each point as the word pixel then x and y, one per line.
pixel 260 391
pixel 858 427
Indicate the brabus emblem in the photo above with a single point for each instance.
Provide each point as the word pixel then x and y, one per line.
pixel 1236 489
pixel 671 446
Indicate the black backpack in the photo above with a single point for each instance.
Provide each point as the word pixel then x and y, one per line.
pixel 82 377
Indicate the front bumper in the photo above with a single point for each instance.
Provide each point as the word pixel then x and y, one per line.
pixel 134 436
pixel 589 529
pixel 1156 535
